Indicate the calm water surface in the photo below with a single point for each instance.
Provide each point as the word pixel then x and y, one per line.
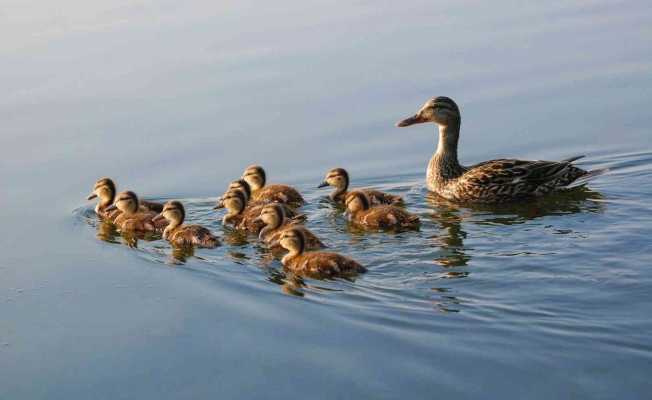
pixel 550 299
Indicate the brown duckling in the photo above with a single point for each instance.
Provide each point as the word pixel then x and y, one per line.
pixel 257 179
pixel 131 218
pixel 378 217
pixel 105 190
pixel 339 179
pixel 315 264
pixel 275 221
pixel 243 217
pixel 179 234
pixel 243 186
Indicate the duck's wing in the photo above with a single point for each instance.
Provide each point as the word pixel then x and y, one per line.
pixel 509 179
pixel 512 172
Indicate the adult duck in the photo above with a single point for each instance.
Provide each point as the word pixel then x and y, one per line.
pixel 495 181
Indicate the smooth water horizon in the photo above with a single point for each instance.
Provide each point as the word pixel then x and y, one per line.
pixel 545 299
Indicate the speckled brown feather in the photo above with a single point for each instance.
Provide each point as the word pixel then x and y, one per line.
pixel 320 265
pixel 137 222
pixel 376 197
pixel 278 194
pixel 247 219
pixel 192 235
pixel 385 217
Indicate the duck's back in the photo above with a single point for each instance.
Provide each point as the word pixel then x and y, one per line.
pixel 505 180
pixel 386 216
pixel 189 235
pixel 278 194
pixel 324 264
pixel 138 222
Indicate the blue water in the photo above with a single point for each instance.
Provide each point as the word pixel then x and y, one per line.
pixel 548 299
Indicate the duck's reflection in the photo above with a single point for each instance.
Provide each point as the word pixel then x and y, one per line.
pixel 449 216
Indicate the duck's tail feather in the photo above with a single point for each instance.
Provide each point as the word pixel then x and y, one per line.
pixel 570 160
pixel 589 176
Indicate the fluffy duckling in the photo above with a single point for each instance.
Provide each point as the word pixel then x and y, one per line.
pixel 316 264
pixel 256 178
pixel 242 186
pixel 131 218
pixel 378 217
pixel 273 216
pixel 184 235
pixel 339 179
pixel 243 217
pixel 105 191
pixel 494 181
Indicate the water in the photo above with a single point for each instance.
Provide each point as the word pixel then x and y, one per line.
pixel 549 299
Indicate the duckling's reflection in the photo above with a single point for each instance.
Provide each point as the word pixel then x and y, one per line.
pixel 107 232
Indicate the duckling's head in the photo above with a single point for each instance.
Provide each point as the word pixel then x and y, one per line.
pixel 272 215
pixel 242 186
pixel 356 201
pixel 104 189
pixel 336 177
pixel 234 201
pixel 255 176
pixel 441 110
pixel 293 240
pixel 127 202
pixel 174 212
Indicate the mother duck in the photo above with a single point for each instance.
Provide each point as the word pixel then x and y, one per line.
pixel 495 181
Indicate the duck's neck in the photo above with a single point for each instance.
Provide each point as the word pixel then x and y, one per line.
pixel 270 227
pixel 231 215
pixel 340 191
pixel 172 225
pixel 444 164
pixel 289 256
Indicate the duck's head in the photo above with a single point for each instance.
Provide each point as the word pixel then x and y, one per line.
pixel 272 215
pixel 293 240
pixel 104 189
pixel 255 176
pixel 127 202
pixel 356 201
pixel 242 186
pixel 234 201
pixel 441 110
pixel 336 177
pixel 173 212
pixel 239 185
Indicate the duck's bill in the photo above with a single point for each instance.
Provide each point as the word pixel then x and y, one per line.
pixel 111 207
pixel 219 204
pixel 322 185
pixel 157 218
pixel 415 119
pixel 91 196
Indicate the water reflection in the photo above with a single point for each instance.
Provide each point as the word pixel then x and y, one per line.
pixel 449 216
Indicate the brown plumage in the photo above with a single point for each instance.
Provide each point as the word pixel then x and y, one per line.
pixel 339 179
pixel 275 221
pixel 243 217
pixel 378 217
pixel 495 181
pixel 315 264
pixel 105 191
pixel 179 234
pixel 243 186
pixel 257 178
pixel 131 217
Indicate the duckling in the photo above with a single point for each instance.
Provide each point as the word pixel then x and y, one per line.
pixel 243 217
pixel 339 178
pixel 256 178
pixel 184 235
pixel 243 186
pixel 131 218
pixel 378 217
pixel 495 181
pixel 105 190
pixel 273 216
pixel 315 264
